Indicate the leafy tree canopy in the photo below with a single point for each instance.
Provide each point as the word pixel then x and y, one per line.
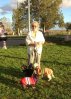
pixel 46 11
pixel 68 26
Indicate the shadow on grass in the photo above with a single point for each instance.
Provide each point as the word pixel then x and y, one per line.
pixel 57 63
pixel 13 57
pixel 59 40
pixel 10 82
pixel 10 76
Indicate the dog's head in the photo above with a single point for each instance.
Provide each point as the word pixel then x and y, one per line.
pixel 37 69
pixel 35 65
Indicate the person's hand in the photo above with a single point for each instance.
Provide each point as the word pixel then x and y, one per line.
pixel 32 44
pixel 38 43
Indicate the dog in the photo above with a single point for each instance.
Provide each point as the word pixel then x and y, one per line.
pixel 37 69
pixel 28 79
pixel 27 70
pixel 47 72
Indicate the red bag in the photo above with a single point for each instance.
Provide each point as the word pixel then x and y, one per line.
pixel 28 81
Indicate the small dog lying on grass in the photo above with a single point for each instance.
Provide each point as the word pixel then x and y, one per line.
pixel 47 72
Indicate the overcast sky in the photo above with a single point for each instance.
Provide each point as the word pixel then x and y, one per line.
pixel 6 7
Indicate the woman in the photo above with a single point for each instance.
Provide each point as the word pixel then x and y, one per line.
pixel 34 41
pixel 3 36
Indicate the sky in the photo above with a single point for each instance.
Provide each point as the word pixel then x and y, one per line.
pixel 6 7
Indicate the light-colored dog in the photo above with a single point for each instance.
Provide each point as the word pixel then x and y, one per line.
pixel 47 72
pixel 37 69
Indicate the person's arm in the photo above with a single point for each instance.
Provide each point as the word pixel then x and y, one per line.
pixel 29 40
pixel 40 38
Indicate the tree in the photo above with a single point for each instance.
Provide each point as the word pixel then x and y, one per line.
pixel 68 26
pixel 46 11
pixel 19 18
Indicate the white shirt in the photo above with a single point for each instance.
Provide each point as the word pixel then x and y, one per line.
pixel 38 38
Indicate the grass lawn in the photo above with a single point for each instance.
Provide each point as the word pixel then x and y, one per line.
pixel 57 57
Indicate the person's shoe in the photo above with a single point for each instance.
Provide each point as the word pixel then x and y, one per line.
pixel 4 47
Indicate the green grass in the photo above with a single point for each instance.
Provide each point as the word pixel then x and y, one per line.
pixel 57 57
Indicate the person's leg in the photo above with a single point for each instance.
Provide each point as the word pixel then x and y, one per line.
pixel 31 58
pixel 28 59
pixel 4 45
pixel 38 58
pixel 30 55
pixel 35 56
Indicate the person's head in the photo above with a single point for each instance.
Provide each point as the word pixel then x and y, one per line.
pixel 35 26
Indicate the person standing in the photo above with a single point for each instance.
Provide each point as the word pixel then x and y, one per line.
pixel 3 35
pixel 34 42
